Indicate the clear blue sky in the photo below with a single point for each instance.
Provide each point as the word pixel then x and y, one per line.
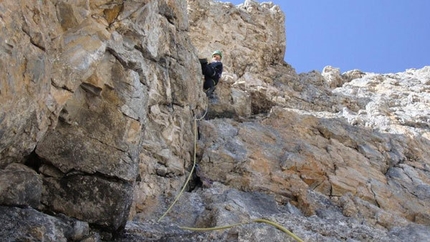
pixel 382 36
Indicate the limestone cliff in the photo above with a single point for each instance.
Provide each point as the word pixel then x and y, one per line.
pixel 98 103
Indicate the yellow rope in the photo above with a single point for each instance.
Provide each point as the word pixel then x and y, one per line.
pixel 212 228
pixel 276 225
pixel 192 169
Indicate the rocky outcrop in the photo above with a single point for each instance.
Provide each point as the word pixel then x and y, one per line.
pixel 99 102
pixel 89 90
pixel 29 224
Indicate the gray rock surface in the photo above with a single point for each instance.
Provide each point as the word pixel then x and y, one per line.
pixel 27 224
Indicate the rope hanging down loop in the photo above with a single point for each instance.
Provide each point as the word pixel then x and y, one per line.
pixel 189 176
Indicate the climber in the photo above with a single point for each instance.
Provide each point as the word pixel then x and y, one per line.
pixel 212 72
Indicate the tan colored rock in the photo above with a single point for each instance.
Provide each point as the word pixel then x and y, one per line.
pixel 25 81
pixel 299 153
pixel 240 34
pixel 93 84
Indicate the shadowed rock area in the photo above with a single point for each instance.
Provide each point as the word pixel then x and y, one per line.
pixel 103 116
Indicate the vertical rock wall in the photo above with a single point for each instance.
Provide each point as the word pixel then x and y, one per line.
pixel 93 93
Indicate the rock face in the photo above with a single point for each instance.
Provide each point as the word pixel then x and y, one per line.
pixel 97 122
pixel 90 92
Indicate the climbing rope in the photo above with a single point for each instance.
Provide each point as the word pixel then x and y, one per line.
pixel 192 169
pixel 189 176
pixel 276 225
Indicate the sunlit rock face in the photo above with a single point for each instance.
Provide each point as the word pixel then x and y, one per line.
pixel 102 110
pixel 90 92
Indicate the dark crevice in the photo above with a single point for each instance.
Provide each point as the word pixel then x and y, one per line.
pixel 33 161
pixel 36 39
pixel 145 53
pixel 195 182
pixel 64 116
pixel 91 89
pixel 224 114
pixel 134 66
pixel 100 175
pixel 168 13
pixel 138 178
pixel 260 104
pixel 118 58
pixel 37 45
pixel 374 196
pixel 124 150
pixel 53 83
pixel 199 180
pixel 127 65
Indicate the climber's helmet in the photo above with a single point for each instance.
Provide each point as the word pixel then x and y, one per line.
pixel 217 52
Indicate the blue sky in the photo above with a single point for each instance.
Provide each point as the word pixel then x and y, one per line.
pixel 381 36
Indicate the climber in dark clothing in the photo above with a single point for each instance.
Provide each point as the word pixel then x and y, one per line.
pixel 212 72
